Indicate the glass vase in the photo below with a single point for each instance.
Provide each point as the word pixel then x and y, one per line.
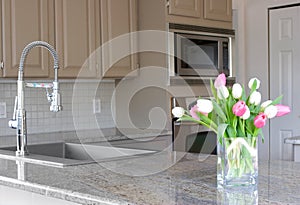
pixel 237 162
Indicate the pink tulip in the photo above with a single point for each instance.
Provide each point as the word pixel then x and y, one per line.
pixel 260 120
pixel 282 110
pixel 239 108
pixel 220 81
pixel 193 112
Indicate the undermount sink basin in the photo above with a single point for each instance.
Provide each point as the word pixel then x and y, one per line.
pixel 67 154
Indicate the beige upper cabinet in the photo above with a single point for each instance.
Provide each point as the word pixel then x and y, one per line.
pixel 22 23
pixel 77 32
pixel 191 8
pixel 1 57
pixel 118 20
pixel 76 28
pixel 218 10
pixel 207 13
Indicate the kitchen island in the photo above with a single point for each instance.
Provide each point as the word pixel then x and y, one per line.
pixel 164 178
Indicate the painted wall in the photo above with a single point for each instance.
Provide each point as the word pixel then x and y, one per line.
pixel 41 120
pixel 252 37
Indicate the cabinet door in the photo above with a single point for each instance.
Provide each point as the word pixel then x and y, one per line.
pixel 220 10
pixel 118 17
pixel 77 28
pixel 24 22
pixel 1 47
pixel 190 8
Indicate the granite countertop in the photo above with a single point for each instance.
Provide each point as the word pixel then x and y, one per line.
pixel 164 178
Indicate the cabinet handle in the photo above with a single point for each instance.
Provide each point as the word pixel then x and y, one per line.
pixel 168 4
pixel 1 65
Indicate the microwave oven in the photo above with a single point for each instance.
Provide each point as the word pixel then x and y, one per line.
pixel 201 53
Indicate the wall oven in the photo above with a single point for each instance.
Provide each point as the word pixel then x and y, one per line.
pixel 189 136
pixel 200 51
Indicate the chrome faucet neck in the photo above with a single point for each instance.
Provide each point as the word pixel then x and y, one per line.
pixel 19 120
pixel 33 45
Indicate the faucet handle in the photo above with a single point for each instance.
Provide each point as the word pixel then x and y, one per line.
pixel 13 122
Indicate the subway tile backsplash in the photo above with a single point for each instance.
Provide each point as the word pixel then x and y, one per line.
pixel 78 108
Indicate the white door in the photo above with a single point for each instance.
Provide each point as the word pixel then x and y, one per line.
pixel 285 77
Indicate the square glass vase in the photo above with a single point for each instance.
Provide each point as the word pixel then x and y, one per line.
pixel 237 162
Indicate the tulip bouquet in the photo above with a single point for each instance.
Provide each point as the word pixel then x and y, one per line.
pixel 237 119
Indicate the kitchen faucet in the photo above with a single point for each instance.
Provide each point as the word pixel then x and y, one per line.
pixel 19 117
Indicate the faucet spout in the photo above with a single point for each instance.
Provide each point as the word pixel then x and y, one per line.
pixel 38 44
pixel 19 120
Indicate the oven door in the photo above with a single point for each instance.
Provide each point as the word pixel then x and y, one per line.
pixel 192 137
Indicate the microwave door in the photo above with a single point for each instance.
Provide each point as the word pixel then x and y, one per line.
pixel 197 56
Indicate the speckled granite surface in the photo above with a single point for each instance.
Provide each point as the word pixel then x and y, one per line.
pixel 164 178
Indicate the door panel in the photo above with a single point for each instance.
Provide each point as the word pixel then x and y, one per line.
pixel 191 8
pixel 284 78
pixel 76 32
pixel 24 22
pixel 118 17
pixel 1 47
pixel 218 10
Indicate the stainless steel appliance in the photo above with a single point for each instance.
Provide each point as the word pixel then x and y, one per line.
pixel 190 136
pixel 201 51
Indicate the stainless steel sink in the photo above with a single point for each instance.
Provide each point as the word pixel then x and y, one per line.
pixel 67 154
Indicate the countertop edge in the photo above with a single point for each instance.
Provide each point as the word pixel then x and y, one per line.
pixel 49 191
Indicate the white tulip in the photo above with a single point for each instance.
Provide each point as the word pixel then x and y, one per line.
pixel 237 90
pixel 178 111
pixel 271 111
pixel 246 115
pixel 266 103
pixel 255 98
pixel 251 81
pixel 204 105
pixel 222 92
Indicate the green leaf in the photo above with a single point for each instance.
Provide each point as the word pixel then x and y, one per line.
pixel 221 131
pixel 262 136
pixel 277 100
pixel 234 122
pixel 230 115
pixel 241 127
pixel 219 111
pixel 208 122
pixel 231 131
pixel 253 88
pixel 254 85
pixel 244 97
pixel 213 89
